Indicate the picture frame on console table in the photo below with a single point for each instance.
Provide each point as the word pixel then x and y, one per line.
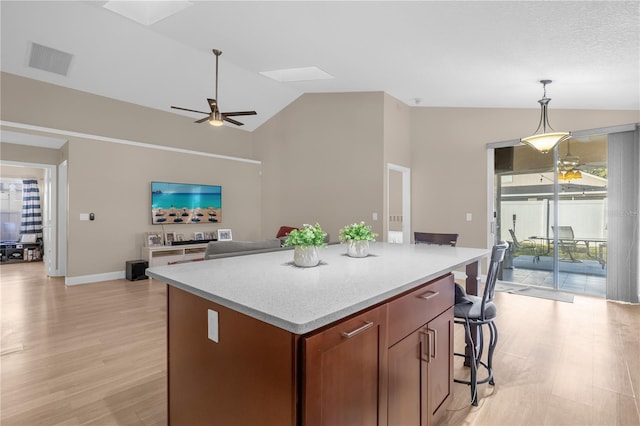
pixel 224 235
pixel 198 236
pixel 154 239
pixel 179 237
pixel 169 238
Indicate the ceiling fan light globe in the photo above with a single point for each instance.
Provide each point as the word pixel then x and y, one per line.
pixel 216 119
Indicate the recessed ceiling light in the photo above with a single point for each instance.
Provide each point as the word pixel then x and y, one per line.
pixel 147 12
pixel 297 74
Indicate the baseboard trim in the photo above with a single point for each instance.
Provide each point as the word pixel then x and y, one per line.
pixel 88 279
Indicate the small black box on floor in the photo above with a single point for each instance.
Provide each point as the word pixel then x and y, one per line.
pixel 135 270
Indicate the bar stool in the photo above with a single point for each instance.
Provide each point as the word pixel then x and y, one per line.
pixel 474 311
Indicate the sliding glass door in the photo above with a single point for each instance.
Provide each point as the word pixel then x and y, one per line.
pixel 552 209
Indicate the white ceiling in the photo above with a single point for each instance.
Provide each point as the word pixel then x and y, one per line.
pixel 444 53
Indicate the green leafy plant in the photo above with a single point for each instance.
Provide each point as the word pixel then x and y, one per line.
pixel 306 236
pixel 357 232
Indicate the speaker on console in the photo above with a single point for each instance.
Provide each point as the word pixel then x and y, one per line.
pixel 135 270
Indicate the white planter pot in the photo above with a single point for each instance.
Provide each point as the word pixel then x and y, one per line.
pixel 358 248
pixel 306 256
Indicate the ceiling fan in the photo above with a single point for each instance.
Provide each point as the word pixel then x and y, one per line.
pixel 215 117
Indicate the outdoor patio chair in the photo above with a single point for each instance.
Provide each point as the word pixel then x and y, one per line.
pixel 566 241
pixel 525 245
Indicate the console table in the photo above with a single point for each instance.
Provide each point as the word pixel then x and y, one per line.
pixel 165 255
pixel 256 340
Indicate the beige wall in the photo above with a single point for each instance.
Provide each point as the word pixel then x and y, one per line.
pixel 323 159
pixel 322 162
pixel 449 160
pixel 29 154
pixel 33 102
pixel 397 150
pixel 113 181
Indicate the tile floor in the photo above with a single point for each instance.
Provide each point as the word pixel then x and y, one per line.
pixel 587 277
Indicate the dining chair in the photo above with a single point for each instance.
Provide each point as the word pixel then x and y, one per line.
pixel 435 238
pixel 477 312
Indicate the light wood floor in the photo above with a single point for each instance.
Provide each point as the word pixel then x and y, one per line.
pixel 95 354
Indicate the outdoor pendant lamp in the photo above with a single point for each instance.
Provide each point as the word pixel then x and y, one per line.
pixel 541 140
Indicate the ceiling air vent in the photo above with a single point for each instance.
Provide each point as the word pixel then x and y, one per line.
pixel 48 59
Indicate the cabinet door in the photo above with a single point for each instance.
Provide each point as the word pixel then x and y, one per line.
pixel 407 380
pixel 344 375
pixel 440 364
pixel 421 374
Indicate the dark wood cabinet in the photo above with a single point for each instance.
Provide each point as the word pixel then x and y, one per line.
pixel 387 365
pixel 421 374
pixel 420 357
pixel 440 365
pixel 344 372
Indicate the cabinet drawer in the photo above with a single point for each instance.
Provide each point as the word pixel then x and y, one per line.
pixel 411 311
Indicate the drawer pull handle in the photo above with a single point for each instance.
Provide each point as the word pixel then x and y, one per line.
pixel 350 334
pixel 429 295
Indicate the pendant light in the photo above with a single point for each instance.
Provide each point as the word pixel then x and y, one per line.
pixel 568 165
pixel 541 140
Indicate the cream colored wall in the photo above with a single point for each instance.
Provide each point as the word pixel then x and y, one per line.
pixel 29 154
pixel 33 102
pixel 322 162
pixel 449 160
pixel 323 159
pixel 397 150
pixel 113 182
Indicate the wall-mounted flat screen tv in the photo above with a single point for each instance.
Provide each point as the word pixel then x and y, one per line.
pixel 185 203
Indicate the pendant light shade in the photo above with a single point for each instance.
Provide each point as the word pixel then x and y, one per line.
pixel 542 140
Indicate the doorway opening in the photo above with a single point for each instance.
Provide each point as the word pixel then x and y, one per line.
pixel 398 218
pixel 46 177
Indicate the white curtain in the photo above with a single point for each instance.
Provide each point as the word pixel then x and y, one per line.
pixel 31 222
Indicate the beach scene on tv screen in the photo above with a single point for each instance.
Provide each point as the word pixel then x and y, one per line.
pixel 178 203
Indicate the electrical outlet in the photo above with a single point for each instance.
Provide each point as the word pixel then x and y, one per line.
pixel 212 329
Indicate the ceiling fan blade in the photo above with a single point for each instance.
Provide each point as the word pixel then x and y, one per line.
pixel 232 121
pixel 227 114
pixel 192 110
pixel 202 120
pixel 212 104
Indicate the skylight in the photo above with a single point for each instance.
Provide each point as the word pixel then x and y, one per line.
pixel 147 12
pixel 297 74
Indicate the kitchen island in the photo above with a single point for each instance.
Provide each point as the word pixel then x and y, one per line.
pixel 256 340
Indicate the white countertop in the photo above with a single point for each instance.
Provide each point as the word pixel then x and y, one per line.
pixel 269 287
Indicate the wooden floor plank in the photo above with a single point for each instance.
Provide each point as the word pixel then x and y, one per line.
pixel 95 354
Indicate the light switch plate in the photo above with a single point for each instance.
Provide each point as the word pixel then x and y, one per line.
pixel 469 217
pixel 212 332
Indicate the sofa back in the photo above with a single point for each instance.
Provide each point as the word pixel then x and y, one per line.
pixel 218 249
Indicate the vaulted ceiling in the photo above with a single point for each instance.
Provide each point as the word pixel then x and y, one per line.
pixel 424 53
